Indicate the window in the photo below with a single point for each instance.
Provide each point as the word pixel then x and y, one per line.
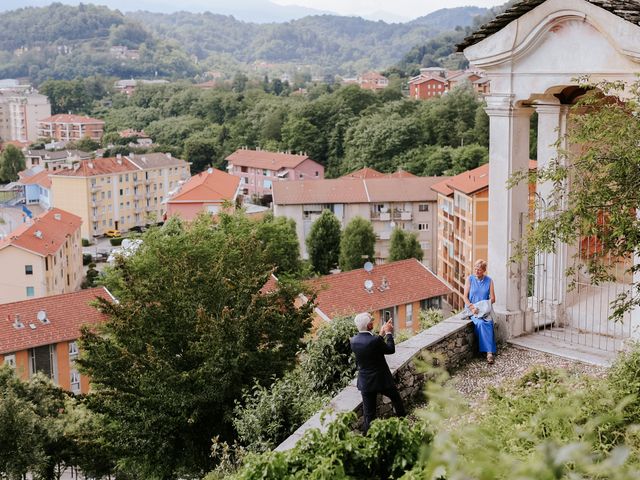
pixel 301 176
pixel 244 169
pixel 28 269
pixel 31 291
pixel 73 350
pixel 267 184
pixel 75 381
pixel 409 316
pixel 317 174
pixel 43 359
pixel 423 207
pixel 265 173
pixel 121 192
pixel 423 227
pixel 10 360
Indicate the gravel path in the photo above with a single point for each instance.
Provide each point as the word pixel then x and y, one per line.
pixel 473 380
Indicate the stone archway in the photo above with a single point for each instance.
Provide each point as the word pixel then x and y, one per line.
pixel 533 55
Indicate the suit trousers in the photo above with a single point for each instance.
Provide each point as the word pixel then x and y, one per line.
pixel 370 399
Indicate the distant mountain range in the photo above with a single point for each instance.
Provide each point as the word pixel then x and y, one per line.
pixel 62 41
pixel 256 11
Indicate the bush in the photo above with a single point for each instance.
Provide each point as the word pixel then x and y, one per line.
pixel 267 416
pixel 85 242
pixel 328 361
pixel 391 448
pixel 86 259
pixel 430 317
pixel 116 242
pixel 270 415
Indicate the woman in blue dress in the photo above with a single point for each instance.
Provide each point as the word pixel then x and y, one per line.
pixel 479 287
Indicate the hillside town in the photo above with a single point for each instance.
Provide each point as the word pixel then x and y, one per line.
pixel 182 260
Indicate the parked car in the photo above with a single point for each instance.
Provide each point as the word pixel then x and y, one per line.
pixel 138 229
pixel 112 233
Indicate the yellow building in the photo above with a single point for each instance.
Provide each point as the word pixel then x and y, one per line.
pixel 463 227
pixel 42 257
pixel 118 193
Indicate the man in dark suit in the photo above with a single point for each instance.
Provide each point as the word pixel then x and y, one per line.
pixel 374 375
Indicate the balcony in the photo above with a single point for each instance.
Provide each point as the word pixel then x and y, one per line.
pixel 95 187
pixel 384 235
pixel 405 216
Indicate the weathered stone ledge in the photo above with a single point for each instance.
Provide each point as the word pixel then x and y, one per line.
pixel 452 339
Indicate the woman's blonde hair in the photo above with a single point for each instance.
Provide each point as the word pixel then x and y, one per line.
pixel 480 263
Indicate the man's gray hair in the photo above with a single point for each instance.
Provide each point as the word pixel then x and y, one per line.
pixel 361 321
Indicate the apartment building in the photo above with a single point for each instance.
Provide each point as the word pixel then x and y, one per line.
pixel 120 192
pixel 41 335
pixel 42 257
pixel 389 202
pixel 69 128
pixel 259 170
pixel 463 227
pixel 207 191
pixel 54 160
pixel 435 82
pixel 20 110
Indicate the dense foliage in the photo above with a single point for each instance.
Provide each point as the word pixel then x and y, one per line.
pixel 357 245
pixel 549 424
pixel 66 42
pixel 44 429
pixel 192 329
pixel 342 128
pixel 323 243
pixel 404 245
pixel 391 447
pixel 268 415
pixel 12 161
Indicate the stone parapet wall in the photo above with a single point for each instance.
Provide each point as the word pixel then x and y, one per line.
pixel 452 340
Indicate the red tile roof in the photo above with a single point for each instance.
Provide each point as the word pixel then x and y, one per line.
pixel 98 166
pixel 45 234
pixel 426 78
pixel 365 172
pixel 469 182
pixel 68 118
pixel 41 178
pixel 355 190
pixel 344 293
pixel 66 314
pixel 265 160
pixel 209 186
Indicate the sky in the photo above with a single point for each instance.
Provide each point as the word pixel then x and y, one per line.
pixel 404 8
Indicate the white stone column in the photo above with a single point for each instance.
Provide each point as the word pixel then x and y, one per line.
pixel 508 210
pixel 549 269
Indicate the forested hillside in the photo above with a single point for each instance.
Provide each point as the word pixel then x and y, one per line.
pixel 65 42
pixel 344 128
pixel 334 44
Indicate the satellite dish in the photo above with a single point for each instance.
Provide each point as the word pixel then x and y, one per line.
pixel 392 224
pixel 368 267
pixel 42 316
pixel 368 284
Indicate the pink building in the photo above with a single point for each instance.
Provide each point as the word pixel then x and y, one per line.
pixel 258 169
pixel 205 192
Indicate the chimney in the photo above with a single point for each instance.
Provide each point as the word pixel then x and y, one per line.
pixel 38 234
pixel 57 216
pixel 119 159
pixel 90 164
pixel 169 155
pixel 131 155
pixel 17 324
pixel 210 171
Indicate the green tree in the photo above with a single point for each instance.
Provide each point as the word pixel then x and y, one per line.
pixel 86 145
pixel 323 243
pixel 12 161
pixel 67 96
pixel 200 151
pixel 357 245
pixel 279 240
pixel 171 360
pixel 404 245
pixel 300 135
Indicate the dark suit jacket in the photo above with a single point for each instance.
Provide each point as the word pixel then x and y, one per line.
pixel 374 374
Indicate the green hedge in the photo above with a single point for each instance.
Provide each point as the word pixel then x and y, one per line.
pixel 116 242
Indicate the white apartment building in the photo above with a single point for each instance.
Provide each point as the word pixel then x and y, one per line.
pixel 19 113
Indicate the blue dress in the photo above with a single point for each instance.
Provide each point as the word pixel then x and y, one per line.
pixel 480 290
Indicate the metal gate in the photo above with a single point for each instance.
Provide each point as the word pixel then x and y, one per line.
pixel 570 308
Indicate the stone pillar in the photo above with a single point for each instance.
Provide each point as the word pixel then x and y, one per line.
pixel 508 210
pixel 549 268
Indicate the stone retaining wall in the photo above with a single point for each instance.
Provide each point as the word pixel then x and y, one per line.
pixel 452 340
